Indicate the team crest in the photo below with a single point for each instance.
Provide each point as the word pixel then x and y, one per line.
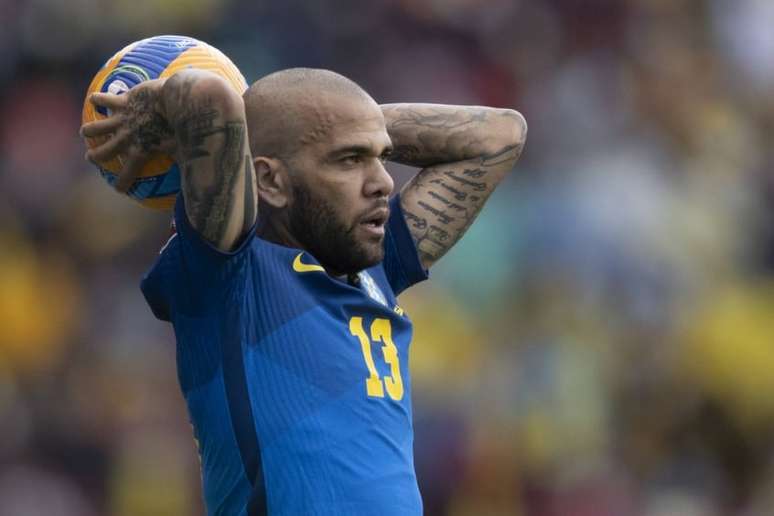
pixel 371 288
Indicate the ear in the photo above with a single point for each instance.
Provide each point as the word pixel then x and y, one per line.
pixel 271 177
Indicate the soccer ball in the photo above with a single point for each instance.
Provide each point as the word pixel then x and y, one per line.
pixel 158 182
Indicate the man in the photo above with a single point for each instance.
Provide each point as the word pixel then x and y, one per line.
pixel 281 281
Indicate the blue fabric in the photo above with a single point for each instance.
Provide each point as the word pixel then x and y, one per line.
pixel 275 380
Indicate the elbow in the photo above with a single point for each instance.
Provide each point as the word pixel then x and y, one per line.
pixel 192 87
pixel 514 127
pixel 215 89
pixel 508 134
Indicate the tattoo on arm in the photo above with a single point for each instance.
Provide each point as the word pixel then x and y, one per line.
pixel 429 134
pixel 213 158
pixel 250 201
pixel 465 152
pixel 149 129
pixel 442 201
pixel 212 205
pixel 416 221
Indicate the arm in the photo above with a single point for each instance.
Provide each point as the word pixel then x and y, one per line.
pixel 197 117
pixel 218 180
pixel 465 151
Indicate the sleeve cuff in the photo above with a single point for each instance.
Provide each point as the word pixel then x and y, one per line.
pixel 405 247
pixel 193 239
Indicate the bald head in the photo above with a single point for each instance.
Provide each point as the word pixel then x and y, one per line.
pixel 292 107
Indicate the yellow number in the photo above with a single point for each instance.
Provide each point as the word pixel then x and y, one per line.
pixel 381 330
pixel 373 383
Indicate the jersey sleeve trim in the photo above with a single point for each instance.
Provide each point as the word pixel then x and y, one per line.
pixel 404 249
pixel 201 245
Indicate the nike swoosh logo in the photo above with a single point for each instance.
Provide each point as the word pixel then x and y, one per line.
pixel 300 266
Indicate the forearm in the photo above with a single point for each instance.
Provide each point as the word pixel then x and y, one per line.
pixel 429 134
pixel 465 152
pixel 208 120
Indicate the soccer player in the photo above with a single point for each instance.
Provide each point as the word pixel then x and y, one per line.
pixel 282 277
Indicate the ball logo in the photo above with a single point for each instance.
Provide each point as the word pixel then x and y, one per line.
pixel 371 288
pixel 117 87
pixel 185 42
pixel 133 73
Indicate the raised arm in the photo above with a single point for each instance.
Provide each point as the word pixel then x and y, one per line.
pixel 196 116
pixel 218 180
pixel 465 151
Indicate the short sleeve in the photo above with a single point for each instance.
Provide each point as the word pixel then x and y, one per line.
pixel 401 259
pixel 190 273
pixel 194 245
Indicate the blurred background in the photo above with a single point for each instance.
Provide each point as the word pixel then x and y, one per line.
pixel 601 342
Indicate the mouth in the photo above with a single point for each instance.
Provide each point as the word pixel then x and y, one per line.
pixel 374 222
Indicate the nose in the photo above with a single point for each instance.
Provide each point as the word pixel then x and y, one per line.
pixel 379 182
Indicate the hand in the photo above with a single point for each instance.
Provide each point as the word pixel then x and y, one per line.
pixel 135 131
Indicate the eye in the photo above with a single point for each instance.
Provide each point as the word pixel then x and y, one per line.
pixel 352 159
pixel 385 156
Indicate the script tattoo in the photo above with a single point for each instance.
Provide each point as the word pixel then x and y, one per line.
pixel 474 172
pixel 439 213
pixel 446 202
pixel 461 167
pixel 415 221
pixel 459 195
pixel 478 186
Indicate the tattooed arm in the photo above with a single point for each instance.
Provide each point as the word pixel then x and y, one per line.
pixel 218 180
pixel 465 151
pixel 199 119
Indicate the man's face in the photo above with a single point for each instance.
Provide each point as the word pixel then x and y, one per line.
pixel 338 207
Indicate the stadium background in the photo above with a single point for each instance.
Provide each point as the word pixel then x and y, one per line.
pixel 601 343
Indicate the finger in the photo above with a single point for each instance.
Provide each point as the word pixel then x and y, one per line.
pixel 132 167
pixel 110 148
pixel 88 158
pixel 101 127
pixel 108 100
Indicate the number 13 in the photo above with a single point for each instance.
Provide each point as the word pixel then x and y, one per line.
pixel 380 331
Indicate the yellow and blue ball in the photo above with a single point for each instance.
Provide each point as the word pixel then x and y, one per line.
pixel 158 182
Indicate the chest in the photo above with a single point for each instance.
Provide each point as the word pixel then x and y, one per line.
pixel 331 338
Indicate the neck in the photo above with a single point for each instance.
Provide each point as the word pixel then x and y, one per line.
pixel 273 230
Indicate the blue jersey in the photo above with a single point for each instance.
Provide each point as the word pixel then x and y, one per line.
pixel 297 383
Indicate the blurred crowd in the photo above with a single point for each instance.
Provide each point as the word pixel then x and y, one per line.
pixel 600 344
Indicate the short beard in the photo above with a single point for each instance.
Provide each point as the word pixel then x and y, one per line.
pixel 314 223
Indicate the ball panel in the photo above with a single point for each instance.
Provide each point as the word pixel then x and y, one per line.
pixel 157 165
pixel 154 54
pixel 205 57
pixel 160 203
pixel 151 191
pixel 146 60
